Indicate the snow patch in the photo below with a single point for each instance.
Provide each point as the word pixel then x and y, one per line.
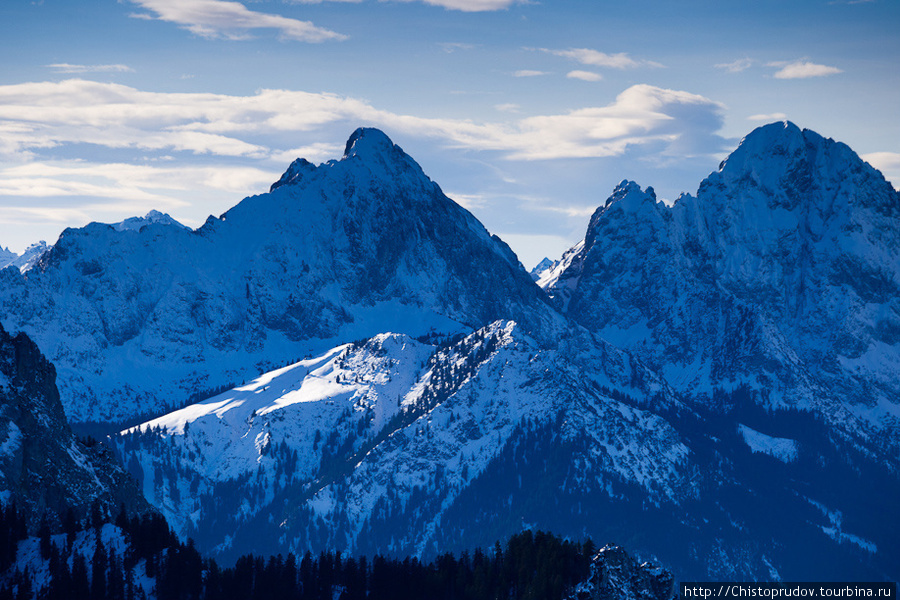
pixel 784 449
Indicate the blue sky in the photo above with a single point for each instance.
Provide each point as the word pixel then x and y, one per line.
pixel 528 113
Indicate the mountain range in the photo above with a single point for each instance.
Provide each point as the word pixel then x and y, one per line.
pixel 351 361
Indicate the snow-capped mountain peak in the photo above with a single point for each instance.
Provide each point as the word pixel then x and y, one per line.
pixel 795 238
pixel 26 260
pixel 154 217
pixel 294 174
pixel 367 142
pixel 336 252
pixel 629 195
pixel 539 268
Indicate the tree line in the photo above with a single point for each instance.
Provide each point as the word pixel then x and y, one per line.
pixel 530 566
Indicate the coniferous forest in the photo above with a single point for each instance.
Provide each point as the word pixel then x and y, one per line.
pixel 531 565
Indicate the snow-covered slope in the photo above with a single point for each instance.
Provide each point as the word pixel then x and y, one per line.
pixel 780 279
pixel 388 433
pixel 406 446
pixel 138 320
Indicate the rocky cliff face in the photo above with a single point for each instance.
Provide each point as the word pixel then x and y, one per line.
pixel 43 468
pixel 615 575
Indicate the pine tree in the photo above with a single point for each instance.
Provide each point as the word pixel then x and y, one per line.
pixel 98 571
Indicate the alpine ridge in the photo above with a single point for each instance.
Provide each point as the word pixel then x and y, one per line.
pixel 155 313
pixel 779 278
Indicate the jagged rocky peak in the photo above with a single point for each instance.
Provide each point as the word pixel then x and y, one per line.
pixel 628 195
pixel 154 217
pixel 368 146
pixel 629 210
pixel 616 575
pixel 344 249
pixel 763 144
pixel 787 166
pixel 366 142
pixel 294 173
pixel 540 268
pixel 382 158
pixel 781 273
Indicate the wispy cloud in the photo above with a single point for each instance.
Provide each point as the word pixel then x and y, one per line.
pixel 595 58
pixel 584 75
pixel 202 150
pixel 316 152
pixel 508 107
pixel 741 64
pixel 888 163
pixel 673 122
pixel 768 117
pixel 71 193
pixel 230 20
pixel 322 1
pixel 78 69
pixel 120 181
pixel 470 5
pixel 802 69
pixel 450 47
pixel 470 202
pixel 37 117
pixel 529 73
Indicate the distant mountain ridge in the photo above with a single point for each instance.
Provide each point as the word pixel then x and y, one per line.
pixel 24 261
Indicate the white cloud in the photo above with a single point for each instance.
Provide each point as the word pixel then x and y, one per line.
pixel 461 5
pixel 529 73
pixel 318 152
pixel 470 5
pixel 802 69
pixel 509 107
pixel 471 202
pixel 40 199
pixel 46 115
pixel 888 163
pixel 68 68
pixel 193 144
pixel 741 64
pixel 678 122
pixel 595 58
pixel 584 75
pixel 231 20
pixel 451 47
pixel 122 181
pixel 768 117
pixel 35 117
